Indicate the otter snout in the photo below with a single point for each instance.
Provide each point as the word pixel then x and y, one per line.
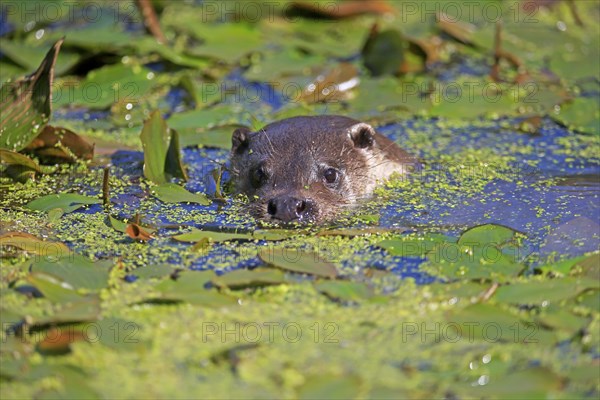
pixel 288 208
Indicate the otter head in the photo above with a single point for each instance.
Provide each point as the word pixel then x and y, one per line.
pixel 303 169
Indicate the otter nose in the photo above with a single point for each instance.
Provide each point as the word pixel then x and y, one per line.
pixel 287 208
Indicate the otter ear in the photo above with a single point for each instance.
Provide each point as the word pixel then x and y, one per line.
pixel 363 135
pixel 240 139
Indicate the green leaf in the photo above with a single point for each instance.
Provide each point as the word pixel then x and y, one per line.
pixel 53 288
pixel 68 202
pixel 327 386
pixel 75 271
pixel 173 193
pixel 482 252
pixel 227 42
pixel 118 334
pixel 119 226
pixel 242 278
pixel 581 115
pixel 78 310
pixel 412 246
pixel 196 235
pixel 383 52
pixel 344 291
pixel 162 158
pixel 189 288
pixel 14 158
pixel 487 234
pixel 273 234
pixel 298 260
pixel 531 383
pixel 539 291
pixel 153 271
pixel 27 55
pixel 26 104
pixel 107 85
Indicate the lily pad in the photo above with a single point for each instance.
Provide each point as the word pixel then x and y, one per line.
pixel 344 290
pixel 189 288
pixel 327 386
pixel 107 85
pixel 547 291
pixel 196 235
pixel 411 246
pixel 298 260
pixel 173 193
pixel 249 278
pixel 581 115
pixel 75 271
pixel 53 288
pixel 68 202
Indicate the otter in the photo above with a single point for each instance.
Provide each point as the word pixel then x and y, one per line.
pixel 307 169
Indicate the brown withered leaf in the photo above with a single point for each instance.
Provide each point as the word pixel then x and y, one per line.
pixel 32 244
pixel 57 144
pixel 430 48
pixel 137 232
pixel 58 340
pixel 332 84
pixel 346 9
pixel 459 30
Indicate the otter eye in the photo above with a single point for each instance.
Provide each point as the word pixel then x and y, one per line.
pixel 331 175
pixel 258 176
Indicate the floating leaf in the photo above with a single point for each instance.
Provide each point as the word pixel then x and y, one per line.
pixel 102 87
pixel 411 246
pixel 173 193
pixel 227 42
pixel 273 234
pixel 383 52
pixel 117 333
pixel 119 226
pixel 487 234
pixel 344 291
pixel 327 386
pixel 26 104
pixel 32 244
pixel 189 288
pixel 75 271
pixel 492 323
pixel 196 235
pixel 53 288
pixel 244 278
pixel 58 340
pixel 298 260
pixel 162 158
pixel 68 202
pixel 153 271
pixel 539 292
pixel 60 145
pixel 581 115
pixel 352 232
pixel 533 382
